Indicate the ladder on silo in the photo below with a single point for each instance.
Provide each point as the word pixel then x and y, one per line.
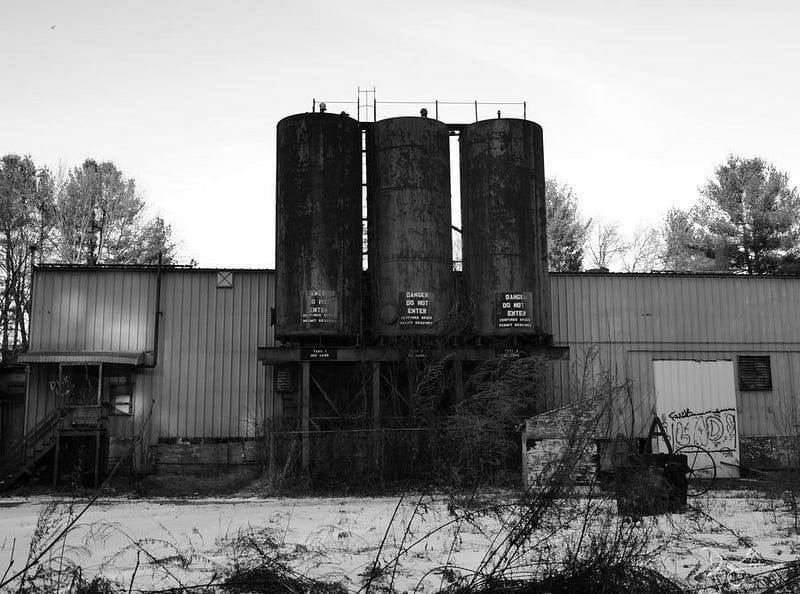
pixel 367 291
pixel 366 104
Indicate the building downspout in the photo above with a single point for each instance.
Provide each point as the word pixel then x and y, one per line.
pixel 151 365
pixel 157 323
pixel 26 410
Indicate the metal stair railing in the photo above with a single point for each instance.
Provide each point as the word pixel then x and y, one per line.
pixel 22 456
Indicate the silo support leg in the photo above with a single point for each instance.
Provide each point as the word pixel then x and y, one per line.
pixel 305 406
pixel 376 413
pixel 96 459
pixel 458 376
pixel 376 394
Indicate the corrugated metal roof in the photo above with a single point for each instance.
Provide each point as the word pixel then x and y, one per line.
pixel 143 267
pixel 82 357
pixel 676 273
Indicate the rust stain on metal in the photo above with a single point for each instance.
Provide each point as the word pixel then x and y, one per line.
pixel 318 226
pixel 503 213
pixel 410 237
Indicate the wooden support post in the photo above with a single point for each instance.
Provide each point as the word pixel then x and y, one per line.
pixel 97 459
pixel 97 429
pixel 305 413
pixel 458 376
pixel 376 394
pixel 411 374
pixel 376 414
pixel 100 384
pixel 271 425
pixel 59 402
pixel 55 459
pixel 59 394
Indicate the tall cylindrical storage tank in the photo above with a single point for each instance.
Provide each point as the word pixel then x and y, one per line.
pixel 503 216
pixel 410 248
pixel 318 252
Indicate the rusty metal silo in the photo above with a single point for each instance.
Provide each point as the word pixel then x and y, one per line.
pixel 409 223
pixel 318 200
pixel 503 214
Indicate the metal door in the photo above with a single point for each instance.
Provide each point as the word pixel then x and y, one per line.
pixel 696 401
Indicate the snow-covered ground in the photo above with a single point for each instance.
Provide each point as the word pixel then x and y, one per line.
pixel 164 543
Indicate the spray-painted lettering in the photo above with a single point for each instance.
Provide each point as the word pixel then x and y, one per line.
pixel 714 430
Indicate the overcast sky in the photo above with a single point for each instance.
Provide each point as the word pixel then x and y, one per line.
pixel 638 100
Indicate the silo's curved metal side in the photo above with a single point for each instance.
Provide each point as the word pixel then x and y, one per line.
pixel 503 214
pixel 318 200
pixel 409 223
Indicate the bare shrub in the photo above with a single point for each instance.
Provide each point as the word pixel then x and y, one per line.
pixel 478 437
pixel 558 536
pixel 260 562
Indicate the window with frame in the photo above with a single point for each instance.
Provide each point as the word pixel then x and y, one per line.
pixel 78 385
pixel 118 390
pixel 94 385
pixel 755 373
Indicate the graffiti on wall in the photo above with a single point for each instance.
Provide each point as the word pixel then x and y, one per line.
pixel 714 430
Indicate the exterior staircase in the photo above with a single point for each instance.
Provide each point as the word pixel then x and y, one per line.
pixel 22 458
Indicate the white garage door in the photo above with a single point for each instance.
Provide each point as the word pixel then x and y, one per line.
pixel 696 401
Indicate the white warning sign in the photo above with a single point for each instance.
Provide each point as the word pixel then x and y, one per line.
pixel 415 309
pixel 514 310
pixel 320 308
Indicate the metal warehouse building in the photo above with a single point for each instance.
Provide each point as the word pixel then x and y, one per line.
pixel 158 369
pixel 101 356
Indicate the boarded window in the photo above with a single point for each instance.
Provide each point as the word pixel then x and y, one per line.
pixel 755 374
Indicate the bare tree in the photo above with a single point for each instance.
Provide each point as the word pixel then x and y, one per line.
pixel 606 244
pixel 90 215
pixel 101 219
pixel 26 207
pixel 644 250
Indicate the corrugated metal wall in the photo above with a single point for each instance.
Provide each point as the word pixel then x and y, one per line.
pixel 619 323
pixel 93 310
pixel 208 382
pixel 599 308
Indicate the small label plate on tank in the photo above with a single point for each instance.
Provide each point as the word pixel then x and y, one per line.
pixel 514 309
pixel 320 309
pixel 415 308
pixel 416 354
pixel 317 354
pixel 511 353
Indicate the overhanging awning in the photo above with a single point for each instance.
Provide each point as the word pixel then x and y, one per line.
pixel 82 357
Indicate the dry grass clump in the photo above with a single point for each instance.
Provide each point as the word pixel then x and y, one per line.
pixel 618 579
pixel 273 577
pixel 261 562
